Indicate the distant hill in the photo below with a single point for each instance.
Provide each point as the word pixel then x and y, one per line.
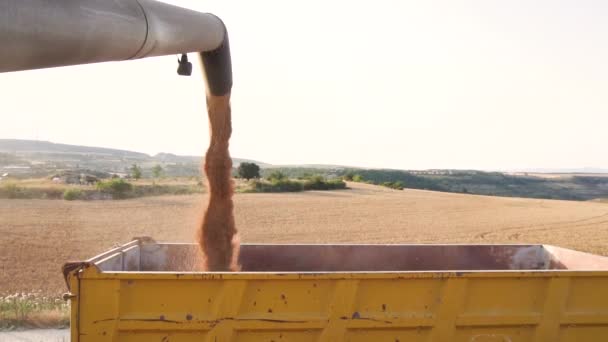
pixel 174 158
pixel 565 170
pixel 573 187
pixel 31 158
pixel 39 158
pixel 19 147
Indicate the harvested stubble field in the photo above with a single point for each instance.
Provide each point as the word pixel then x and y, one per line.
pixel 38 236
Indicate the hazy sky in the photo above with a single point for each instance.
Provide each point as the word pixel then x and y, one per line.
pixel 400 84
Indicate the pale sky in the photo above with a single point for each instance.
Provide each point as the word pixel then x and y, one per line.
pixel 394 84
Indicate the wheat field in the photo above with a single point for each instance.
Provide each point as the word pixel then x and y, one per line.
pixel 38 236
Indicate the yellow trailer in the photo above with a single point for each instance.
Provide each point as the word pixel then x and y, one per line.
pixel 148 291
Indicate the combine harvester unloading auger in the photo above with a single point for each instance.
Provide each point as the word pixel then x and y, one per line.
pixel 359 293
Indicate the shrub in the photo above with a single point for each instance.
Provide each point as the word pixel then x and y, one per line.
pixel 14 191
pixel 315 183
pixel 287 185
pixel 72 194
pixel 11 190
pixel 357 178
pixel 348 176
pixel 336 184
pixel 305 176
pixel 320 183
pixel 398 185
pixel 165 189
pixel 284 185
pixel 118 188
pixel 277 176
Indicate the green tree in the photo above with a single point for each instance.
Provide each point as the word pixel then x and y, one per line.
pixel 357 178
pixel 135 171
pixel 348 176
pixel 248 171
pixel 157 171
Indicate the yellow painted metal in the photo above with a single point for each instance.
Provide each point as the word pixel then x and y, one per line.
pixel 476 306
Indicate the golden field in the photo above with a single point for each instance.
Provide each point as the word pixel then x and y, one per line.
pixel 38 236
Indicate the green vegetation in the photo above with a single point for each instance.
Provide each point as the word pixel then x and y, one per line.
pixel 121 189
pixel 248 170
pixel 398 185
pixel 110 188
pixel 135 171
pixel 279 182
pixel 302 172
pixel 318 182
pixel 81 167
pixel 282 185
pixel 32 310
pixel 276 175
pixel 157 171
pixel 390 177
pixel 72 194
pixel 348 176
pixel 494 183
pixel 141 190
pixel 357 178
pixel 467 181
pixel 37 159
pixel 295 179
pixel 118 188
pixel 12 190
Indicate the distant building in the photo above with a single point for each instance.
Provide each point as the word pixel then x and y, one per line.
pixel 119 175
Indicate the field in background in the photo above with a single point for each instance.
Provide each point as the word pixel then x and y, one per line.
pixel 45 188
pixel 38 236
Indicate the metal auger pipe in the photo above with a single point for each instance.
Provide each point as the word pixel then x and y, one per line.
pixel 38 34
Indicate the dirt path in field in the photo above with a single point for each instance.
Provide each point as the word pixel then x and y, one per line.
pixel 38 236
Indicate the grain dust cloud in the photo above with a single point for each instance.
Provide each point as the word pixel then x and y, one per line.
pixel 217 232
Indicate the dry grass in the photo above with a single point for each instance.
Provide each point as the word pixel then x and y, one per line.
pixel 33 310
pixel 38 236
